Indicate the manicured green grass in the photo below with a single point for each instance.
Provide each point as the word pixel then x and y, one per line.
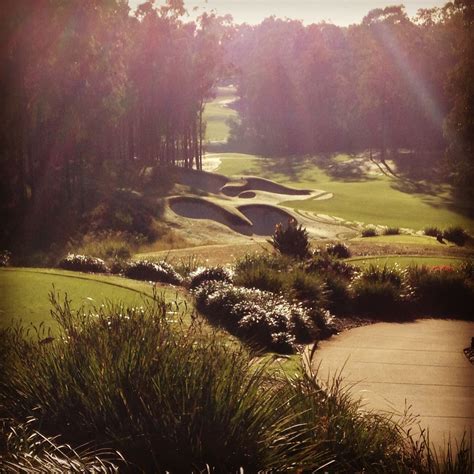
pixel 369 198
pixel 25 292
pixel 402 239
pixel 217 113
pixel 404 261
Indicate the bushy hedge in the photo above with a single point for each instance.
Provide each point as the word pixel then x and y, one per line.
pixel 369 232
pixel 433 231
pixel 202 274
pixel 455 234
pixel 83 263
pixel 153 271
pixel 260 317
pixel 338 250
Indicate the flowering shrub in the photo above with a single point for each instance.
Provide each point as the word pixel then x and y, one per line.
pixel 83 263
pixel 291 240
pixel 151 271
pixel 261 317
pixel 338 250
pixel 5 257
pixel 202 274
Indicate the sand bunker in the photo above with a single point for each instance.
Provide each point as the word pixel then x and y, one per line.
pixel 264 217
pixel 225 205
pixel 249 219
pixel 199 208
pixel 247 183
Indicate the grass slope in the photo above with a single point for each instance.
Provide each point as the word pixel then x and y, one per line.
pixel 25 292
pixel 358 196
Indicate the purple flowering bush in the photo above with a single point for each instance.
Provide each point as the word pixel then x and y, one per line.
pixel 83 263
pixel 150 271
pixel 260 317
pixel 202 274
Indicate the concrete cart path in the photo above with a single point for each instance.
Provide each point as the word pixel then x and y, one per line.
pixel 419 364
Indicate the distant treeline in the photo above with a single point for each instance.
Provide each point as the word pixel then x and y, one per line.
pixel 91 96
pixel 390 82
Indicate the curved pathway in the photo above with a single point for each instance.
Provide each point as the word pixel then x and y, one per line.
pixel 420 365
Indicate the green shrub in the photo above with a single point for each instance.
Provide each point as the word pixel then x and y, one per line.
pixel 262 278
pixel 433 231
pixel 308 288
pixel 124 211
pixel 391 231
pixel 291 240
pixel 442 291
pixel 369 232
pixel 323 263
pixel 456 234
pixel 338 250
pixel 384 274
pixel 203 274
pixel 259 317
pixel 338 294
pixel 109 245
pixel 83 263
pixel 376 298
pixel 151 271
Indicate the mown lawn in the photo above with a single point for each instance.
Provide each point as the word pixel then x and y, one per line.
pixel 405 261
pixel 369 198
pixel 217 113
pixel 25 292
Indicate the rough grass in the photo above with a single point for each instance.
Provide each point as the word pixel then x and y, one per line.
pixel 354 200
pixel 25 292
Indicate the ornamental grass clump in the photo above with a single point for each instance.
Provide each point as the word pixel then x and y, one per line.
pixel 380 291
pixel 261 318
pixel 83 263
pixel 167 397
pixel 150 271
pixel 291 240
pixel 444 291
pixel 202 274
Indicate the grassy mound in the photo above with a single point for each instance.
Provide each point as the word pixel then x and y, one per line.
pixel 209 182
pixel 253 183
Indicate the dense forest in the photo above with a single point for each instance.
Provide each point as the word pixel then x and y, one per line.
pixel 95 95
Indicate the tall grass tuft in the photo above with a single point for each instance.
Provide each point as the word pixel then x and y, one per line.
pixel 165 396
